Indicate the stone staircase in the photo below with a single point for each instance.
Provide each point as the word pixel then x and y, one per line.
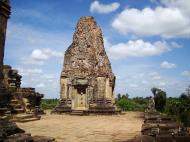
pixel 17 107
pixel 4 98
pixel 77 112
pixel 19 113
pixel 22 118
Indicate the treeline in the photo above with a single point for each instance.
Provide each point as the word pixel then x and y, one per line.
pixel 177 107
pixel 131 104
pixel 49 103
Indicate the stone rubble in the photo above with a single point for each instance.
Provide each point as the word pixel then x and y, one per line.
pixel 158 127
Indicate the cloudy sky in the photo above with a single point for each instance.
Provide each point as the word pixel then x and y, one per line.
pixel 147 42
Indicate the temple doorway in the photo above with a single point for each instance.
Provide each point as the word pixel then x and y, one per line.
pixel 81 97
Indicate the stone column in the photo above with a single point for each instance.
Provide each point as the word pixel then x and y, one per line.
pixel 108 95
pixel 64 88
pixel 4 15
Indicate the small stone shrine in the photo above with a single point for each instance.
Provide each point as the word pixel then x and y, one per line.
pixel 87 82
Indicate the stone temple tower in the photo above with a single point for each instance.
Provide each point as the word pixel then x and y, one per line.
pixel 87 82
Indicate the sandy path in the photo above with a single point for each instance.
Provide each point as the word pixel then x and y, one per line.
pixel 66 128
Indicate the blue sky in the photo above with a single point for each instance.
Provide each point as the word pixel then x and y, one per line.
pixel 147 42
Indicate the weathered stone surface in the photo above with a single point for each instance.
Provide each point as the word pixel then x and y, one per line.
pixel 160 128
pixel 86 56
pixel 12 79
pixel 87 81
pixel 43 139
pixel 4 15
pixel 23 100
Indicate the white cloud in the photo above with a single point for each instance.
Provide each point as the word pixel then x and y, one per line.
pixel 25 39
pixel 29 72
pixel 34 43
pixel 41 85
pixel 182 5
pixel 162 84
pixel 152 77
pixel 48 76
pixel 103 8
pixel 186 73
pixel 144 82
pixel 156 77
pixel 46 83
pixel 138 48
pixel 169 20
pixel 39 56
pixel 167 65
pixel 45 54
pixel 133 85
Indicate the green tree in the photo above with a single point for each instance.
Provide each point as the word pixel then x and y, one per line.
pixel 159 98
pixel 132 104
pixel 187 91
pixel 118 96
pixel 184 109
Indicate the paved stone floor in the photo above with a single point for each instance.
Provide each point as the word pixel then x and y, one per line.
pixel 66 128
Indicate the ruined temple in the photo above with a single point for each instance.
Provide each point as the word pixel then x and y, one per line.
pixel 87 81
pixel 4 15
pixel 23 100
pixel 9 131
pixel 13 98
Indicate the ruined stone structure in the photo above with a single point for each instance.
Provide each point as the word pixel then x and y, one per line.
pixel 158 127
pixel 23 100
pixel 12 79
pixel 9 131
pixel 151 105
pixel 87 82
pixel 4 15
pixel 19 100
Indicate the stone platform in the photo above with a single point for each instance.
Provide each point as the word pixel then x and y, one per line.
pixel 161 128
pixel 96 107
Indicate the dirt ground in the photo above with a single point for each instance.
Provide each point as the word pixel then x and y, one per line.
pixel 66 128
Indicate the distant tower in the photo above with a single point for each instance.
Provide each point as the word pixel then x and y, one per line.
pixel 4 15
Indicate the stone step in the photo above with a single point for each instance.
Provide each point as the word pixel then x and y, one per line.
pixel 20 137
pixel 14 101
pixel 19 110
pixel 77 112
pixel 26 120
pixel 16 106
pixel 23 116
pixel 43 139
pixel 3 109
